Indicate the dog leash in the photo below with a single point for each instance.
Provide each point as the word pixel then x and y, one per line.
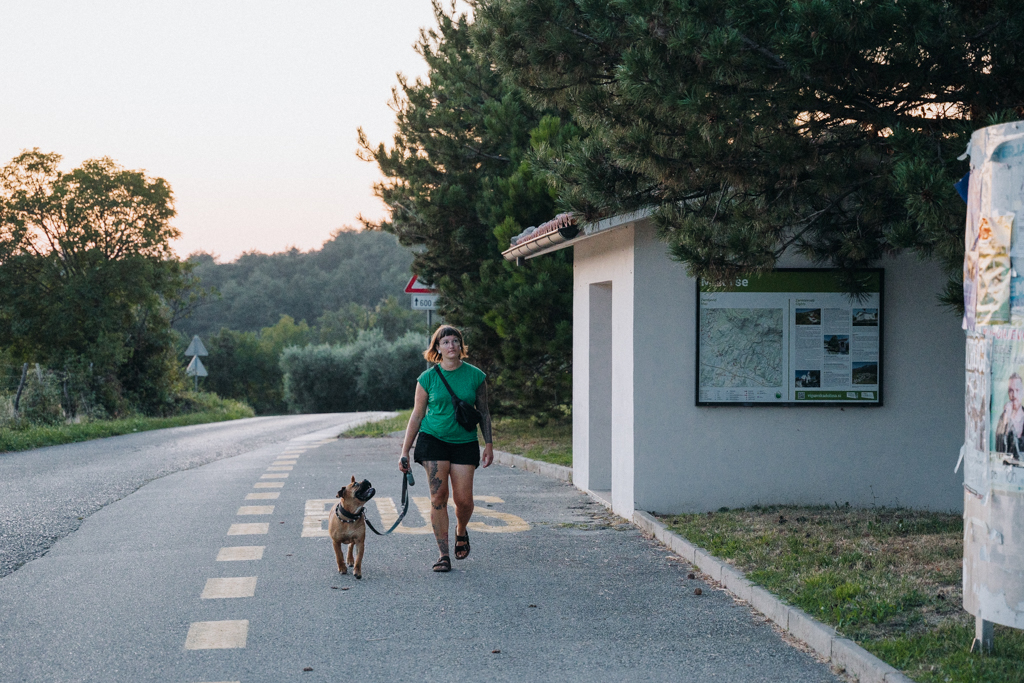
pixel 407 481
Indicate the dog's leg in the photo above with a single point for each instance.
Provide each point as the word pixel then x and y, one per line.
pixel 358 571
pixel 339 555
pixel 350 562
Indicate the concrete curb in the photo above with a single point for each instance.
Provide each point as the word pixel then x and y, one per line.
pixel 545 468
pixel 842 652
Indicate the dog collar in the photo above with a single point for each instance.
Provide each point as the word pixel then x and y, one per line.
pixel 347 517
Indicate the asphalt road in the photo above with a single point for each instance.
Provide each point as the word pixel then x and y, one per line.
pixel 45 494
pixel 555 587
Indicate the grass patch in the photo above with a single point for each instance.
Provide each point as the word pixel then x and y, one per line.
pixel 210 408
pixel 380 428
pixel 889 578
pixel 549 442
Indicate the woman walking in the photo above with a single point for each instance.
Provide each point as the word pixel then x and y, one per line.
pixel 448 451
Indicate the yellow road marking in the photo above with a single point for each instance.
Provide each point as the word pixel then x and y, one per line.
pixel 237 553
pixel 280 468
pixel 256 510
pixel 249 529
pixel 269 495
pixel 217 635
pixel 274 476
pixel 233 587
pixel 268 485
pixel 389 513
pixel 318 511
pixel 284 462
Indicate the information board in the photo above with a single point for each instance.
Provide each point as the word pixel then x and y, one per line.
pixel 793 336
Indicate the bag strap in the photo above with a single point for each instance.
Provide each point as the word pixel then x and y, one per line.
pixel 446 385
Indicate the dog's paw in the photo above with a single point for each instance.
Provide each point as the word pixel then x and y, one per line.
pixel 351 564
pixel 342 570
pixel 358 576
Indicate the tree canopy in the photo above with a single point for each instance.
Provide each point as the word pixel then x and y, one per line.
pixel 458 185
pixel 86 274
pixel 753 126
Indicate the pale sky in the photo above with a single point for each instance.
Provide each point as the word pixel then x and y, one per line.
pixel 248 108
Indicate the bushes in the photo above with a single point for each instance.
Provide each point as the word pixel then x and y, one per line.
pixel 368 374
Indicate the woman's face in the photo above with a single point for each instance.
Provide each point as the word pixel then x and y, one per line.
pixel 450 347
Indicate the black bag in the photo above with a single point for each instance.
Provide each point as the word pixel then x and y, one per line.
pixel 466 415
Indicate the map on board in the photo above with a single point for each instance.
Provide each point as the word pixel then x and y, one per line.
pixel 741 347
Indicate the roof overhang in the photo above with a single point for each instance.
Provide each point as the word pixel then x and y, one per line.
pixel 566 233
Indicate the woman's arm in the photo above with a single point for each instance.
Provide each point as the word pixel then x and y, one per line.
pixel 487 457
pixel 419 409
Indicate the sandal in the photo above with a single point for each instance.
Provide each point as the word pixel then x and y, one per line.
pixel 462 546
pixel 443 565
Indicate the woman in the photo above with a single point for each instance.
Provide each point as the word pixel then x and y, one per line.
pixel 446 450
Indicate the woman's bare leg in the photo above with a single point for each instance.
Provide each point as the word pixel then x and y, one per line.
pixel 462 495
pixel 437 479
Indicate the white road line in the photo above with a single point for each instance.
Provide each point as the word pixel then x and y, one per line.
pixel 232 587
pixel 284 462
pixel 237 553
pixel 268 485
pixel 283 475
pixel 254 529
pixel 280 468
pixel 256 510
pixel 269 495
pixel 217 635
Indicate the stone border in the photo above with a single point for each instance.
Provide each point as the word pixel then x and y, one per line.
pixel 842 652
pixel 546 468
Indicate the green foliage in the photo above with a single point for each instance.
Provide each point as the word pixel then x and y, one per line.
pixel 390 316
pixel 753 126
pixel 254 291
pixel 459 183
pixel 379 428
pixel 243 367
pixel 368 374
pixel 88 280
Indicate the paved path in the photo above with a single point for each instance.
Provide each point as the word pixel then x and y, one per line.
pixel 555 588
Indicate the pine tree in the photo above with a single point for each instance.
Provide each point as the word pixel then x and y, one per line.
pixel 458 185
pixel 831 127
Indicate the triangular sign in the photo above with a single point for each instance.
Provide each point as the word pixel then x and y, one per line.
pixel 418 286
pixel 196 348
pixel 196 369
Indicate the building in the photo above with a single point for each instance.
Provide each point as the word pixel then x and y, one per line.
pixel 642 442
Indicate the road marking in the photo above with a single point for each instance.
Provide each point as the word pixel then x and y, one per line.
pixel 268 485
pixel 256 510
pixel 249 529
pixel 269 495
pixel 233 587
pixel 280 468
pixel 217 635
pixel 284 462
pixel 318 511
pixel 237 553
pixel 274 476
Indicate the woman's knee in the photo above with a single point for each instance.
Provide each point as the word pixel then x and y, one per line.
pixel 439 495
pixel 463 501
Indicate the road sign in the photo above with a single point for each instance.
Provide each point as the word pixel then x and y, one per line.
pixel 196 348
pixel 424 302
pixel 196 368
pixel 418 286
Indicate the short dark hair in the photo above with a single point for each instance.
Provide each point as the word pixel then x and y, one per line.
pixel 432 354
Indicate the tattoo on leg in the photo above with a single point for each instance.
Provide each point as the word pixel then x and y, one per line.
pixel 435 481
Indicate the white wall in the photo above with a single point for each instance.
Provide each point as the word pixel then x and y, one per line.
pixel 685 458
pixel 607 260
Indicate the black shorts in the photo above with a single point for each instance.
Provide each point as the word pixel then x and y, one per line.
pixel 432 448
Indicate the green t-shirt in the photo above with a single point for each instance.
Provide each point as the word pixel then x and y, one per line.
pixel 439 421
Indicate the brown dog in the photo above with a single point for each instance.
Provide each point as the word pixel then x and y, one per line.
pixel 347 524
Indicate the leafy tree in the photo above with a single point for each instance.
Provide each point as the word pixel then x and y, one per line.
pixel 458 185
pixel 256 289
pixel 753 126
pixel 86 274
pixel 242 367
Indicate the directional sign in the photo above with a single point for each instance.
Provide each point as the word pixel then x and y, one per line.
pixel 418 286
pixel 196 368
pixel 196 348
pixel 424 302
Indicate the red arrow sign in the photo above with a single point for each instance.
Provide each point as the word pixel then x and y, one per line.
pixel 418 286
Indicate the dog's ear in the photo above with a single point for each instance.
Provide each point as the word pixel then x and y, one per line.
pixel 341 494
pixel 353 479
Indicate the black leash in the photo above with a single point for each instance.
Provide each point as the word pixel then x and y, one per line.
pixel 407 481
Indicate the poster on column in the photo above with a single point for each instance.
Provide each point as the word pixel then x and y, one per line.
pixel 793 336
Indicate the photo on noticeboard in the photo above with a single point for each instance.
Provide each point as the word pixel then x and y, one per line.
pixel 1007 426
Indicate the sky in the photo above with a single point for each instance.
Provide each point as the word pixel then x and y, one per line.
pixel 249 109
